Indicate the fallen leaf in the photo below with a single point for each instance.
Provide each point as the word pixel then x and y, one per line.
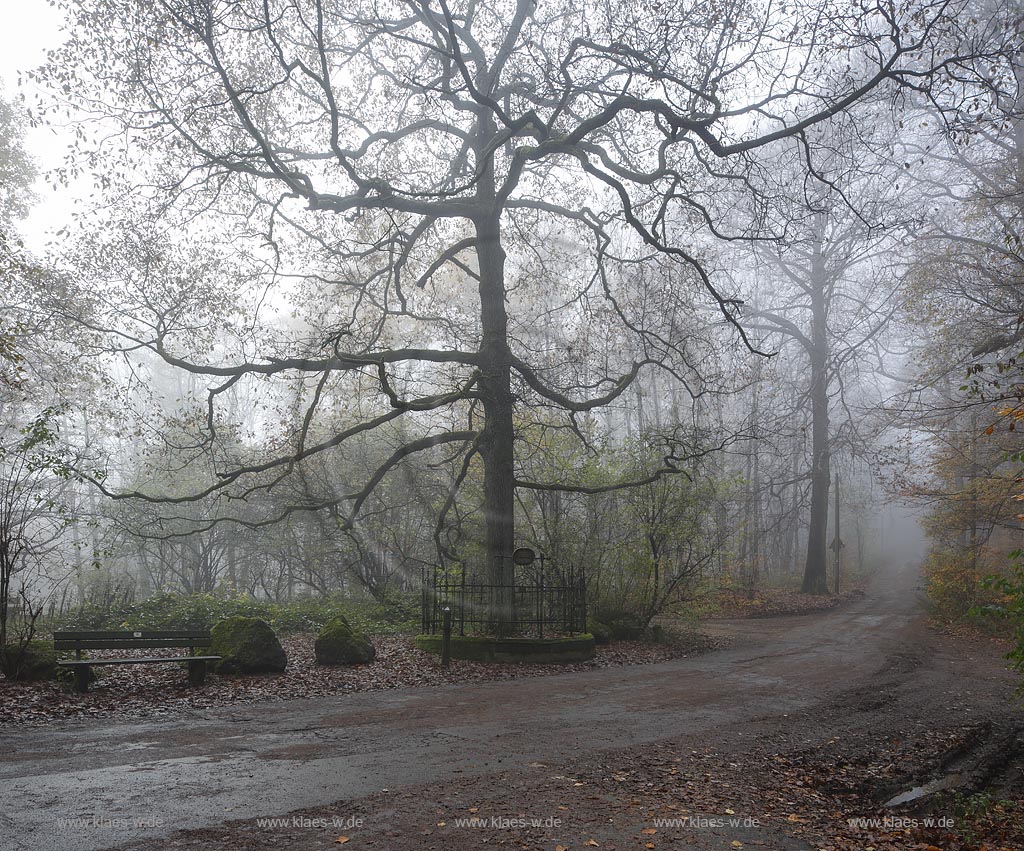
pixel 341 840
pixel 649 831
pixel 593 844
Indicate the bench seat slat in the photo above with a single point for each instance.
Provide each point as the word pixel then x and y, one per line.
pixel 71 663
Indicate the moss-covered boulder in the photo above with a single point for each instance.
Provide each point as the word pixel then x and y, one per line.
pixel 247 646
pixel 35 660
pixel 339 644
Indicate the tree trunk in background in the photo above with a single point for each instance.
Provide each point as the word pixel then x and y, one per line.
pixel 816 566
pixel 747 518
pixel 755 538
pixel 754 530
pixel 793 536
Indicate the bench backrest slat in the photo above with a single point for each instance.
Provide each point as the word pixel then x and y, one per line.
pixel 94 634
pixel 132 644
pixel 110 640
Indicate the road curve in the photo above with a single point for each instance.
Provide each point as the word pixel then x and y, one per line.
pixel 133 781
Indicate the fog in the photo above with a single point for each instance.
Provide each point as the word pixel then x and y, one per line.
pixel 663 318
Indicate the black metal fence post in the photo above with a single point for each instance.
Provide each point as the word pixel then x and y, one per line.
pixel 446 638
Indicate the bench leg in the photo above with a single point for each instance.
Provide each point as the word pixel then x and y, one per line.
pixel 197 673
pixel 82 678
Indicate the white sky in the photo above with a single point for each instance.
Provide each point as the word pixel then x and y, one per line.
pixel 30 28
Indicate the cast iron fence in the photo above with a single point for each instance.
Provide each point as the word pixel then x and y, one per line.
pixel 538 600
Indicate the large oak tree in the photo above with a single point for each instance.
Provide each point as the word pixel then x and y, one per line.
pixel 422 162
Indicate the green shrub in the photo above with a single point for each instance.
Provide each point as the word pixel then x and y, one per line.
pixel 620 620
pixel 622 614
pixel 35 660
pixel 602 634
pixel 1010 607
pixel 397 613
pixel 958 590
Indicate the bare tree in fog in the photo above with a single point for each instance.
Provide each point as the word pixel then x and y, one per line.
pixel 393 162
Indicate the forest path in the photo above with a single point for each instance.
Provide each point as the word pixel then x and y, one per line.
pixel 137 782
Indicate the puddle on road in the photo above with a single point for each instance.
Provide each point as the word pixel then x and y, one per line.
pixel 920 791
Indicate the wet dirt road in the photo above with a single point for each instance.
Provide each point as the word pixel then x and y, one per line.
pixel 96 785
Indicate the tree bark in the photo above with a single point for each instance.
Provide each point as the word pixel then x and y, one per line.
pixel 496 445
pixel 816 566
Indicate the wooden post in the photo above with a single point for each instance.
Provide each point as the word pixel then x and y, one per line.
pixel 446 638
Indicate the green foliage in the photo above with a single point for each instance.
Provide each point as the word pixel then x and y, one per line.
pixel 620 619
pixel 973 813
pixel 645 547
pixel 602 632
pixel 33 660
pixel 956 587
pixel 16 169
pixel 34 470
pixel 1011 607
pixel 397 613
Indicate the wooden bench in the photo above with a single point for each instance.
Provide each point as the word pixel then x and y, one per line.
pixel 133 639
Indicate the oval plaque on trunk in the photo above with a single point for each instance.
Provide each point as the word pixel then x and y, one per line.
pixel 524 556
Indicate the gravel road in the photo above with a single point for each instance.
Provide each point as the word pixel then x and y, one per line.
pixel 97 785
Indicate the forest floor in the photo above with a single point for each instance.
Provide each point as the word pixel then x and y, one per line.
pixel 797 735
pixel 776 602
pixel 151 691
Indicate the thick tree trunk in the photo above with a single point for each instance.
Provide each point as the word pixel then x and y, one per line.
pixel 815 569
pixel 496 445
pixel 815 580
